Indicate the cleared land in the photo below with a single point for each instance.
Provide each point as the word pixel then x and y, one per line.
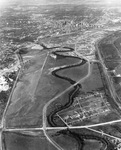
pixel 117 80
pixel 94 81
pixel 92 145
pixel 22 141
pixel 64 140
pixel 23 101
pixel 117 43
pixel 36 86
pixel 110 55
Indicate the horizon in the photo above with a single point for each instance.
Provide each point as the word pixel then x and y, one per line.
pixel 52 2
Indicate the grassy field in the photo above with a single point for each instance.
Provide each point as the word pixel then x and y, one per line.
pixel 65 141
pixel 34 90
pixel 23 97
pixel 94 81
pixel 20 141
pixel 117 81
pixel 109 53
pixel 92 145
pixel 91 140
pixel 117 43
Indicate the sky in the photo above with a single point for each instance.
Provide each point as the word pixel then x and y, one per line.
pixel 44 2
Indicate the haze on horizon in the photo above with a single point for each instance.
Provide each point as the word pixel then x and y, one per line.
pixel 3 3
pixel 46 2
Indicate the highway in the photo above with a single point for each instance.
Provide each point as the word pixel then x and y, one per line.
pixel 9 99
pixel 2 126
pixel 108 79
pixel 112 92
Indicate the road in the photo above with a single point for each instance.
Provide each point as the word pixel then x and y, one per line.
pixel 47 104
pixel 108 79
pixel 2 126
pixel 112 92
pixel 9 99
pixel 45 128
pixel 104 134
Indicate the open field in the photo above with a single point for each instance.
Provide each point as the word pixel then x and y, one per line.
pixel 117 80
pixel 23 98
pixel 117 43
pixel 36 86
pixel 65 141
pixel 90 140
pixel 110 55
pixel 110 49
pixel 94 81
pixel 92 145
pixel 22 141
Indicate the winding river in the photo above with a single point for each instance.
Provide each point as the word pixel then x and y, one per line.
pixel 76 88
pixel 51 117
